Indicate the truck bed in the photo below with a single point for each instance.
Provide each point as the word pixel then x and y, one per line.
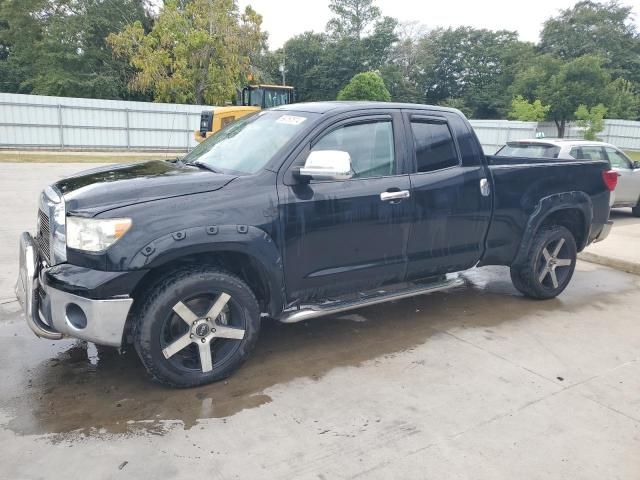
pixel 519 183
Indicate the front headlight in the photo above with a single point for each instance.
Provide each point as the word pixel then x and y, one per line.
pixel 95 234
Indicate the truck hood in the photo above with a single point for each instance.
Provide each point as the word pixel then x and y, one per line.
pixel 94 191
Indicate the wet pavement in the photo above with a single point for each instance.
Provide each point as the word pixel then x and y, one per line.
pixel 477 382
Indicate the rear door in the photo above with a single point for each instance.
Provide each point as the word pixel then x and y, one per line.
pixel 450 192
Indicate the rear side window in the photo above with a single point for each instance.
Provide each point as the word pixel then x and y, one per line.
pixel 434 146
pixel 588 153
pixel 529 150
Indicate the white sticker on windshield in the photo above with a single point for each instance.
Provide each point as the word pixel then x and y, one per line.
pixel 290 120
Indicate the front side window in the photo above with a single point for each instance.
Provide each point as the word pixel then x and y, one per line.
pixel 370 146
pixel 248 144
pixel 434 146
pixel 617 159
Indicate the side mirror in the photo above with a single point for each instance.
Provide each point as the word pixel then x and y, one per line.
pixel 327 165
pixel 635 165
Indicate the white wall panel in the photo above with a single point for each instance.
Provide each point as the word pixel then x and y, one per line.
pixel 34 121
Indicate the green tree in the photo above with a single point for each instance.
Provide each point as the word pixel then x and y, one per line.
pixel 352 17
pixel 358 39
pixel 307 68
pixel 563 86
pixel 591 120
pixel 365 86
pixel 477 66
pixel 606 30
pixel 58 47
pixel 197 52
pixel 525 111
pixel 459 104
pixel 623 100
pixel 20 36
pixel 401 69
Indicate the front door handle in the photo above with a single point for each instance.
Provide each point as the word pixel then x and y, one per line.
pixel 397 195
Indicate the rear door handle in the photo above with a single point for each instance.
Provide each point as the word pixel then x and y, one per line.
pixel 485 188
pixel 390 196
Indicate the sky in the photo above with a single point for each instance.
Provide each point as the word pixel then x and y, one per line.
pixel 286 18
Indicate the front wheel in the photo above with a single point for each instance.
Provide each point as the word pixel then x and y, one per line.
pixel 636 210
pixel 550 264
pixel 196 327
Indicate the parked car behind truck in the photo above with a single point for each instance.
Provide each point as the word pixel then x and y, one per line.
pixel 627 192
pixel 294 213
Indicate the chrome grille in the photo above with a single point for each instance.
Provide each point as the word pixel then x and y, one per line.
pixel 43 236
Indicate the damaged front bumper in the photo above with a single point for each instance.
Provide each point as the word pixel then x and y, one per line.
pixel 52 313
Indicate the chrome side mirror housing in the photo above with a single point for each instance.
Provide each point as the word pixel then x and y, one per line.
pixel 327 165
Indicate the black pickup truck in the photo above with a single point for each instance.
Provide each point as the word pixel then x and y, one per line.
pixel 294 213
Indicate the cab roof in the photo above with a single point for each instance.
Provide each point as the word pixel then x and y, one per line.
pixel 346 106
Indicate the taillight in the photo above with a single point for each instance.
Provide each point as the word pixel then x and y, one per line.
pixel 610 178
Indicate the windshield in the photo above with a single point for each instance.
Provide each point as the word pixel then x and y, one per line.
pixel 248 144
pixel 531 150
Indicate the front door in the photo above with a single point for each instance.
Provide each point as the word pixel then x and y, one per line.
pixel 347 236
pixel 451 193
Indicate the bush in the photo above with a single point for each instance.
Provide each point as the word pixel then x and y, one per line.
pixel 365 86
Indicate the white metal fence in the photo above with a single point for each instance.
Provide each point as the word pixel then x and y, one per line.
pixel 493 134
pixel 35 121
pixel 624 134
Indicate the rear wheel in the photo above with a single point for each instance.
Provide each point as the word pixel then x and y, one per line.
pixel 196 327
pixel 636 210
pixel 550 264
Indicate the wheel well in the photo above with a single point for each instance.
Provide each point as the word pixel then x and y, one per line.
pixel 242 265
pixel 573 220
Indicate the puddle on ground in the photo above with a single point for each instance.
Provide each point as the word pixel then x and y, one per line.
pixel 71 387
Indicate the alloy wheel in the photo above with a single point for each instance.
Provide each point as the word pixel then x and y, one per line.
pixel 554 264
pixel 202 332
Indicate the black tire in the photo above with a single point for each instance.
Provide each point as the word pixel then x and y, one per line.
pixel 535 277
pixel 158 326
pixel 636 210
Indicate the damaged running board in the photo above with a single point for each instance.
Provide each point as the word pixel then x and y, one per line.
pixel 366 299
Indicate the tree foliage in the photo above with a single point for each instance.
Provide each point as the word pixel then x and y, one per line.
pixel 365 86
pixel 59 47
pixel 605 30
pixel 352 17
pixel 358 39
pixel 195 53
pixel 563 86
pixel 476 66
pixel 201 51
pixel 526 111
pixel 591 120
pixel 623 100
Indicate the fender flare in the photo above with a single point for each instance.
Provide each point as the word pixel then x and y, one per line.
pixel 548 205
pixel 251 241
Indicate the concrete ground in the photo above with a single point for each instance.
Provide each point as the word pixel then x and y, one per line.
pixel 621 249
pixel 476 383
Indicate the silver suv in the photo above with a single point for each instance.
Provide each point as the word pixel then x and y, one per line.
pixel 627 193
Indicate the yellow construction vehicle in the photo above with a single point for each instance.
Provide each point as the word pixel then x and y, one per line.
pixel 251 98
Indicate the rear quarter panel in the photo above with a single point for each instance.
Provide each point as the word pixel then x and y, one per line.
pixel 519 184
